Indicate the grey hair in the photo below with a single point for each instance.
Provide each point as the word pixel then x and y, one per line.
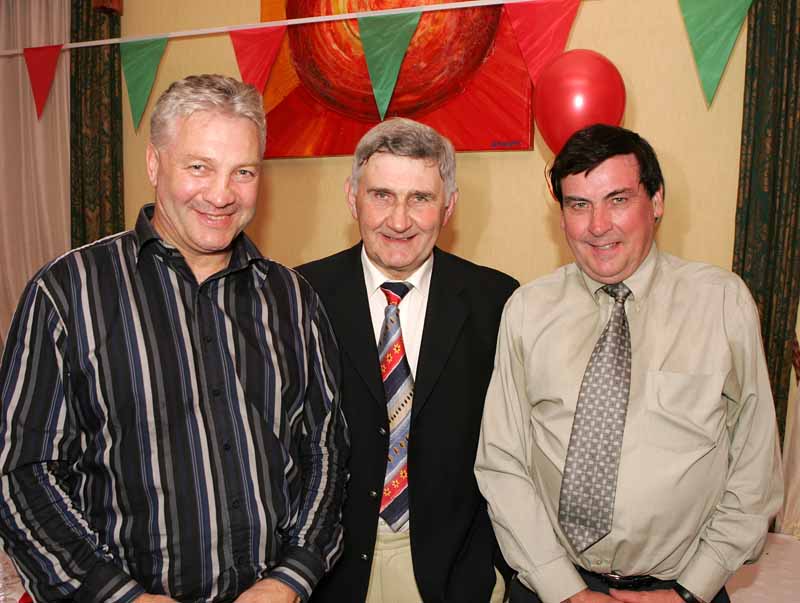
pixel 216 93
pixel 407 138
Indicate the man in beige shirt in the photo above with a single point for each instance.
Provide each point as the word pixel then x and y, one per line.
pixel 697 478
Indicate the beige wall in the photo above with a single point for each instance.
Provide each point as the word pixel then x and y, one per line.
pixel 504 217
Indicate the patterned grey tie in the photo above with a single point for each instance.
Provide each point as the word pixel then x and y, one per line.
pixel 589 483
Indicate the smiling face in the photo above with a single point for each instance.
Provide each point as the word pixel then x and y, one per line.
pixel 400 208
pixel 609 219
pixel 206 186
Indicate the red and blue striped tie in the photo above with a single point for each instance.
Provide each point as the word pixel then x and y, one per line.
pixel 399 388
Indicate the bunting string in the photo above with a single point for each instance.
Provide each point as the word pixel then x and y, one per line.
pixel 286 22
pixel 712 25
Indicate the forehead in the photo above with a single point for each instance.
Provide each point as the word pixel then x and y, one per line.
pixel 615 173
pixel 211 127
pixel 387 170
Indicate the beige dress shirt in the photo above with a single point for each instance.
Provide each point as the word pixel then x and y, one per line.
pixel 698 476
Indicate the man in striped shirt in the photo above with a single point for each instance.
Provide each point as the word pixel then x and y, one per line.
pixel 170 425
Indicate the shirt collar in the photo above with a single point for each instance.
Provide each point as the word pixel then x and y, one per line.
pixel 420 279
pixel 244 252
pixel 640 282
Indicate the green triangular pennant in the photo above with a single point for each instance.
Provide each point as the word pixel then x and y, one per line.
pixel 139 64
pixel 713 26
pixel 385 39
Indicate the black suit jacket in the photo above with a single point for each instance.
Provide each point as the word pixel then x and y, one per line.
pixel 452 543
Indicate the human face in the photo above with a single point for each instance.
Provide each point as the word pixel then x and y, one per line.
pixel 400 208
pixel 609 219
pixel 206 186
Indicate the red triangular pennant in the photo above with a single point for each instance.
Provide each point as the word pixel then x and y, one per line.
pixel 542 29
pixel 41 62
pixel 255 51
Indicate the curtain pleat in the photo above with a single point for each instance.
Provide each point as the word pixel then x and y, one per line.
pixel 767 241
pixel 34 153
pixel 96 184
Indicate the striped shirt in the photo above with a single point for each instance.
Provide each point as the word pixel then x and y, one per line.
pixel 167 437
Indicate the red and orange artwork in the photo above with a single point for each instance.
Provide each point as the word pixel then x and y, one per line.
pixel 463 74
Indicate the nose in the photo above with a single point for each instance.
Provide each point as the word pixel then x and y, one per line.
pixel 601 220
pixel 398 219
pixel 219 192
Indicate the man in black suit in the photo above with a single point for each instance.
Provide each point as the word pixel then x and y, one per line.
pixel 416 527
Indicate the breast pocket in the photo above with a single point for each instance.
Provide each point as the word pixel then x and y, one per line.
pixel 684 411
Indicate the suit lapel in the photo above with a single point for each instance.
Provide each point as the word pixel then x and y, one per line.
pixel 444 319
pixel 349 310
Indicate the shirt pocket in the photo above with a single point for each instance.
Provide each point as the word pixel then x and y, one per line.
pixel 684 411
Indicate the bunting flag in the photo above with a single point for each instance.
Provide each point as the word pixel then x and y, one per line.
pixel 541 29
pixel 139 64
pixel 41 62
pixel 385 40
pixel 255 51
pixel 712 26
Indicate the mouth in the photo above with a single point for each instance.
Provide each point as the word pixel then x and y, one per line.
pixel 397 239
pixel 605 247
pixel 215 219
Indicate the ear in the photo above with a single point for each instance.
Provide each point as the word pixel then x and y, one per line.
pixel 658 203
pixel 152 159
pixel 350 198
pixel 450 208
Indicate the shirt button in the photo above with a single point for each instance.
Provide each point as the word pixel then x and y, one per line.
pixel 382 430
pixel 364 557
pixel 235 504
pixel 216 391
pixel 207 338
pixel 373 494
pixel 226 446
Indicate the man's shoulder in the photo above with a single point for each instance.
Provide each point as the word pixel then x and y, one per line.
pixel 97 253
pixel 472 274
pixel 698 274
pixel 328 269
pixel 550 288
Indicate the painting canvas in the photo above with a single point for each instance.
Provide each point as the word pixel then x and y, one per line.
pixel 463 74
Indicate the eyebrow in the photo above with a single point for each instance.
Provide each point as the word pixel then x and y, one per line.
pixel 626 190
pixel 576 198
pixel 380 189
pixel 619 191
pixel 193 157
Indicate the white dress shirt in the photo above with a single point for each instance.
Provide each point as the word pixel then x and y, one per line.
pixel 412 310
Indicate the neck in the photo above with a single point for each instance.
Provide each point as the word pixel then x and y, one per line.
pixel 203 266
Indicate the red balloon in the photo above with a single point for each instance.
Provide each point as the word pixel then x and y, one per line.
pixel 578 89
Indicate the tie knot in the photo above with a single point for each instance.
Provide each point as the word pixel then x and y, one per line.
pixel 619 291
pixel 395 291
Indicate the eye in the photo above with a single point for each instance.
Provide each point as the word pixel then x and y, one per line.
pixel 245 174
pixel 420 198
pixel 619 200
pixel 381 196
pixel 577 205
pixel 197 167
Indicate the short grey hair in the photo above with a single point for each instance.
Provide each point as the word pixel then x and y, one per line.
pixel 407 138
pixel 215 93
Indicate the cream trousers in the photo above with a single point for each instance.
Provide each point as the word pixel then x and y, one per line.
pixel 392 580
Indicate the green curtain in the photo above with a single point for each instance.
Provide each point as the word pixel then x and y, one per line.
pixel 767 242
pixel 96 190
